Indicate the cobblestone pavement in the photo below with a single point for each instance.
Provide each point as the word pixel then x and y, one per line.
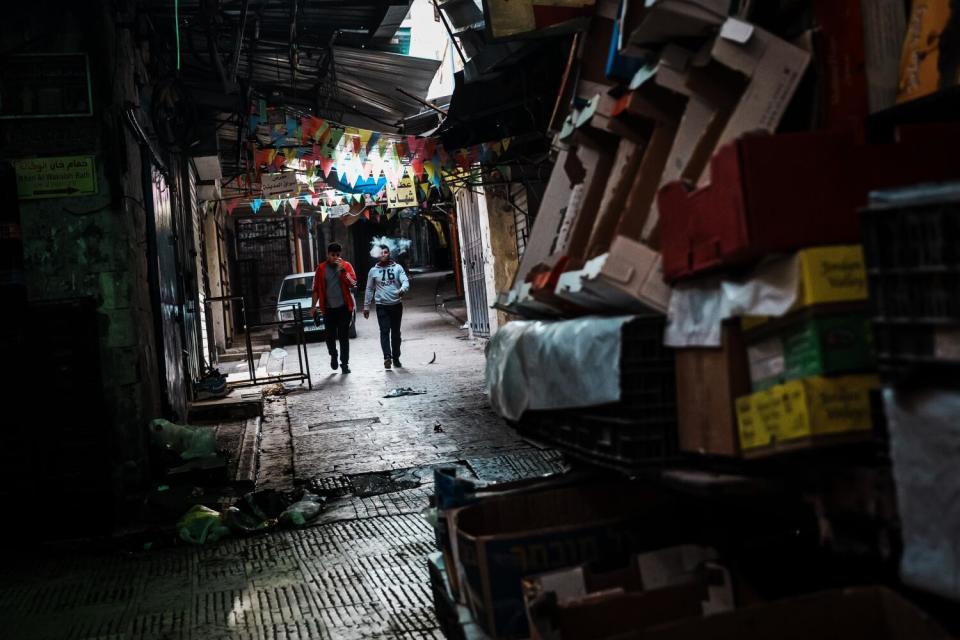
pixel 360 571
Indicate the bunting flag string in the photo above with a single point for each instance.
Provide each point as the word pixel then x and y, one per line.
pixel 309 140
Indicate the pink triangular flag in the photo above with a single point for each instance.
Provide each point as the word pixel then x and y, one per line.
pixel 325 165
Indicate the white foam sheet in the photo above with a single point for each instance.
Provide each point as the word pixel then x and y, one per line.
pixel 538 365
pixel 925 446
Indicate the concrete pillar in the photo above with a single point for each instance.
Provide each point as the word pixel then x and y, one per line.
pixel 499 225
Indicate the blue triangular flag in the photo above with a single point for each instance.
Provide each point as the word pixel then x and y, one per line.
pixel 256 204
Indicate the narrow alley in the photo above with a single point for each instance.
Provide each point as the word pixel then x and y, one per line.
pixel 360 570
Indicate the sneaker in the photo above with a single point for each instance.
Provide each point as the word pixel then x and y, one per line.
pixel 344 368
pixel 387 363
pixel 333 362
pixel 396 363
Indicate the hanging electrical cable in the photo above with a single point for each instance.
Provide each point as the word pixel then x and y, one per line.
pixel 176 28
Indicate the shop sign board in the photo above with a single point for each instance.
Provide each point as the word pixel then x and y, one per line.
pixel 58 177
pixel 278 184
pixel 403 195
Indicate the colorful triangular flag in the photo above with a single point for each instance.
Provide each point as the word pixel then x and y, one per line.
pixel 276 204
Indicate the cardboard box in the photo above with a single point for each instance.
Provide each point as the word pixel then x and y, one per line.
pixel 649 24
pixel 708 383
pixel 805 413
pixel 809 344
pixel 552 209
pixel 929 62
pixel 868 613
pixel 626 163
pixel 589 169
pixel 629 277
pixel 653 588
pixel 773 68
pixel 841 62
pixel 746 86
pixel 884 26
pixel 659 99
pixel 501 540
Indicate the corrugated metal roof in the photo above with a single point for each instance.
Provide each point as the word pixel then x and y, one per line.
pixel 368 82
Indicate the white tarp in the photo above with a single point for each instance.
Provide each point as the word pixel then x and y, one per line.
pixel 925 447
pixel 538 365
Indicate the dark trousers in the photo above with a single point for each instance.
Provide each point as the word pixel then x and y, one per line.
pixel 388 317
pixel 337 326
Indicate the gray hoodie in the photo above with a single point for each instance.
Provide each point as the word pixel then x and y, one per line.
pixel 385 283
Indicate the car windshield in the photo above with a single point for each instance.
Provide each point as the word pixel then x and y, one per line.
pixel 296 288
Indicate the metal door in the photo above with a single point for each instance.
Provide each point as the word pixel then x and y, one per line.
pixel 471 239
pixel 165 292
pixel 202 355
pixel 264 258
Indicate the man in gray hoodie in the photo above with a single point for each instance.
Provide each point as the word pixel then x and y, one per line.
pixel 387 283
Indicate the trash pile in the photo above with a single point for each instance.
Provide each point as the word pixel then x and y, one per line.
pixel 255 512
pixel 187 457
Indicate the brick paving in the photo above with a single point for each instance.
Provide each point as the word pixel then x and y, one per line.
pixel 360 571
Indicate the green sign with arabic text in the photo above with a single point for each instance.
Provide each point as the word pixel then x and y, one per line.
pixel 62 177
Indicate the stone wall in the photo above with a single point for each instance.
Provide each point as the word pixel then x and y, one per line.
pixel 95 245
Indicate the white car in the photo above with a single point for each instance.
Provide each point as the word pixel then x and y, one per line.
pixel 298 288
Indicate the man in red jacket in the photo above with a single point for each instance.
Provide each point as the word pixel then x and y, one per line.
pixel 331 294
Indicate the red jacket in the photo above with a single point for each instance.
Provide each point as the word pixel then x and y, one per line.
pixel 348 279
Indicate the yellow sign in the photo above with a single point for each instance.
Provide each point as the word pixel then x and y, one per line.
pixel 805 408
pixel 62 177
pixel 404 195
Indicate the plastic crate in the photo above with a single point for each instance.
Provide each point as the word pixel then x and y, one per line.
pixel 912 251
pixel 771 194
pixel 604 440
pixel 640 429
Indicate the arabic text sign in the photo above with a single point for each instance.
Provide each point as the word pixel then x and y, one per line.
pixel 61 177
pixel 278 184
pixel 405 195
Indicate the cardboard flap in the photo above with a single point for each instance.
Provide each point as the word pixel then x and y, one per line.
pixel 619 271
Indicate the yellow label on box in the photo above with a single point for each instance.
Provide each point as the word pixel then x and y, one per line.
pixel 832 274
pixel 805 408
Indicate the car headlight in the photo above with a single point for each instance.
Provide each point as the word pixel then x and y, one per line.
pixel 286 316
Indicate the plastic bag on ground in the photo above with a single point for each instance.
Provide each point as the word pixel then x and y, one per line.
pixel 243 522
pixel 201 525
pixel 189 441
pixel 303 510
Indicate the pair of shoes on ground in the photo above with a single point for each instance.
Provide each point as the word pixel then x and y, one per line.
pixel 344 368
pixel 392 362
